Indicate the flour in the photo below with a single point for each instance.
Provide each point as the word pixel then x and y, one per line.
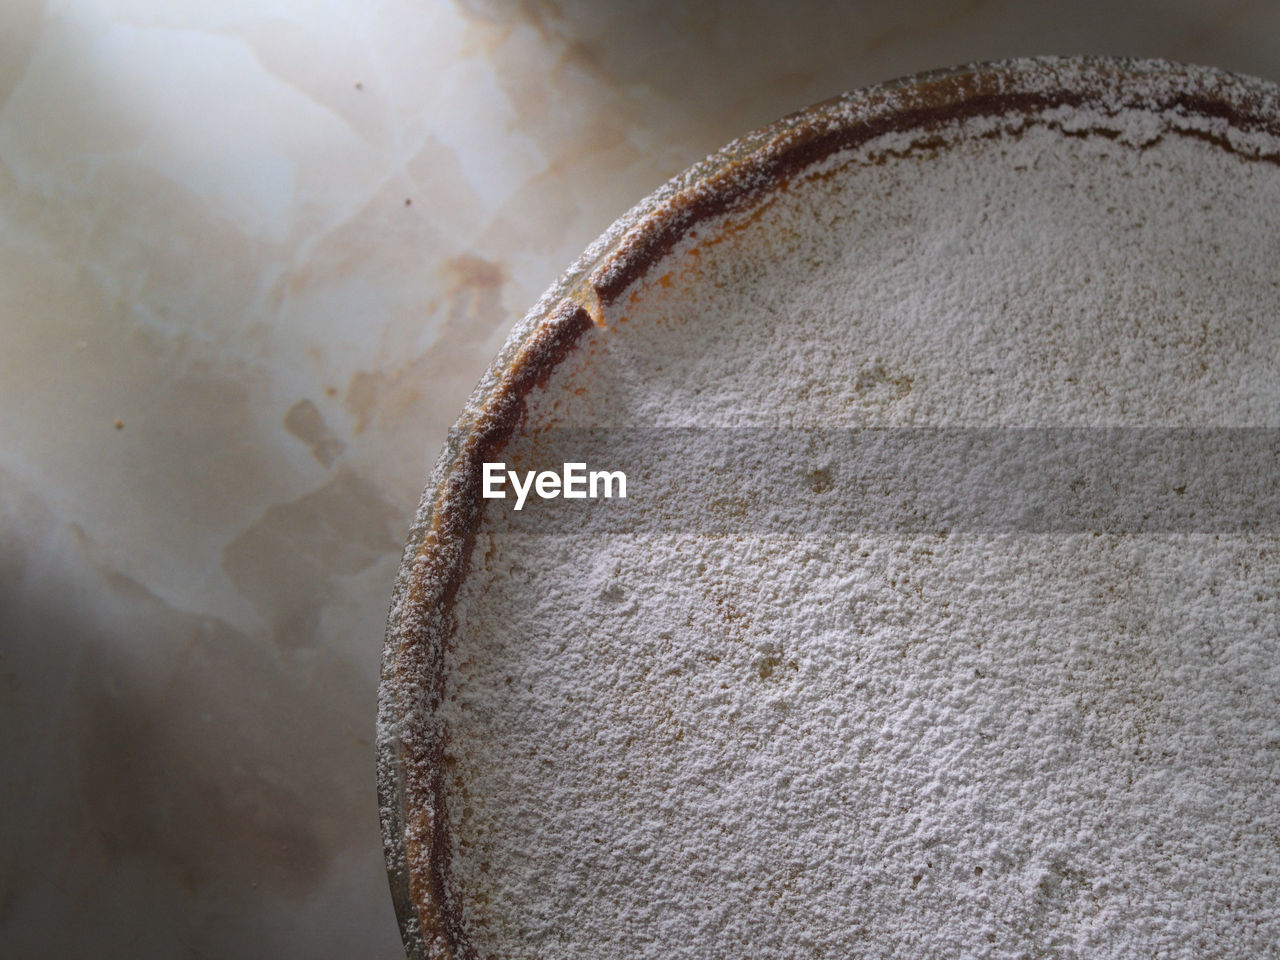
pixel 975 742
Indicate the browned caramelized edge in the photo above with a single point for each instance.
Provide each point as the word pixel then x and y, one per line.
pixel 932 105
pixel 420 627
pixel 420 638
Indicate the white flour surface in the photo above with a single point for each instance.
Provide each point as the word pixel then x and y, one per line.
pixel 955 742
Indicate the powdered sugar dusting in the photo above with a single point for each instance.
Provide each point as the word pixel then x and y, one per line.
pixel 957 743
pixel 875 748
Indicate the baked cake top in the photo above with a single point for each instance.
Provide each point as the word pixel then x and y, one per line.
pixel 792 697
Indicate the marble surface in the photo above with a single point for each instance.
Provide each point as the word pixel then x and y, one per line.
pixel 253 256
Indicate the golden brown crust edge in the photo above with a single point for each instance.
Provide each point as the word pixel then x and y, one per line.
pixel 412 798
pixel 411 742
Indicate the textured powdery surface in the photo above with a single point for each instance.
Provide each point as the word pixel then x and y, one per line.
pixel 879 748
pixel 965 743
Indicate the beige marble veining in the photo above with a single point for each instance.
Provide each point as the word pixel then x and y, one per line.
pixel 253 256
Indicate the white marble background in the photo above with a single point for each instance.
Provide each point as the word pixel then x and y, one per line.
pixel 253 256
